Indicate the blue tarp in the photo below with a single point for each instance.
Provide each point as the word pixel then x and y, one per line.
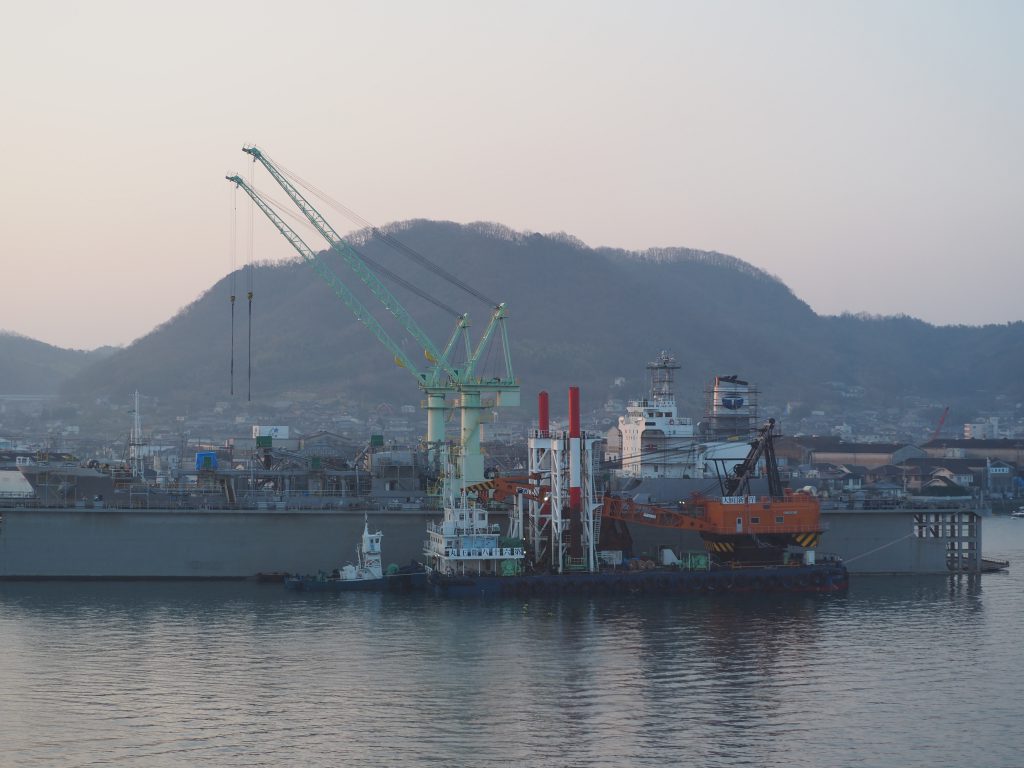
pixel 206 460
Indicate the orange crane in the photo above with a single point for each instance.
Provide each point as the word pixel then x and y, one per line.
pixel 737 525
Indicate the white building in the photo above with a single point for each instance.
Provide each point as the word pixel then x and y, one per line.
pixel 984 429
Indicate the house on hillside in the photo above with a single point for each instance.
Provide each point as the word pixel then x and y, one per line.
pixel 941 485
pixel 887 474
pixel 991 476
pixel 829 479
pixel 1004 477
pixel 853 477
pixel 963 480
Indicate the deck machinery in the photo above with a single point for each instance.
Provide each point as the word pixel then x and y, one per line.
pixel 556 507
pixel 567 526
pixel 739 526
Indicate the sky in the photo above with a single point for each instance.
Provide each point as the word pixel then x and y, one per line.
pixel 866 153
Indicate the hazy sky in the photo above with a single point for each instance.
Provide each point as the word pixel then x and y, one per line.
pixel 867 153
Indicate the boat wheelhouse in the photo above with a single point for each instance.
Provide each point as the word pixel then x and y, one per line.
pixel 465 542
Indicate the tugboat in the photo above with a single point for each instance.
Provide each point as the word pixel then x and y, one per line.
pixel 554 543
pixel 466 554
pixel 367 575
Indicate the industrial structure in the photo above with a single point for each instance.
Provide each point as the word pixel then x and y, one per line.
pixel 655 440
pixel 731 408
pixel 652 440
pixel 563 515
pixel 558 513
pixel 446 385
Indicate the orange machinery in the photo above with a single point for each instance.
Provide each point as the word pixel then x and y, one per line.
pixel 736 526
pixel 742 527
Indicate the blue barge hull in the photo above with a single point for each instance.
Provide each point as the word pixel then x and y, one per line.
pixel 822 577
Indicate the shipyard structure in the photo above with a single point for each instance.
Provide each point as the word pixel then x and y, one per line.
pixel 281 510
pixel 662 459
pixel 713 487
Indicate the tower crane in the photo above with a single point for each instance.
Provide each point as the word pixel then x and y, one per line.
pixel 445 385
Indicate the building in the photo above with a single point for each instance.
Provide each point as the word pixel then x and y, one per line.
pixel 1008 450
pixel 870 455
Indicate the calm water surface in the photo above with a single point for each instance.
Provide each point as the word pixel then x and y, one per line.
pixel 900 672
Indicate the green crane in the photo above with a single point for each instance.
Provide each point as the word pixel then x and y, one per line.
pixel 445 385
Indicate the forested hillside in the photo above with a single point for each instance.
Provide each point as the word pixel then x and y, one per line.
pixel 578 315
pixel 30 367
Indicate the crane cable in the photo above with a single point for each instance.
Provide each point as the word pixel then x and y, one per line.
pixel 375 266
pixel 662 453
pixel 877 549
pixel 234 281
pixel 665 453
pixel 252 240
pixel 386 238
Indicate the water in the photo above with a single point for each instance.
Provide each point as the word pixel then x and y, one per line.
pixel 901 671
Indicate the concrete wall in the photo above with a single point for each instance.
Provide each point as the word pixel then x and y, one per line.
pixel 240 544
pixel 869 541
pixel 881 541
pixel 194 544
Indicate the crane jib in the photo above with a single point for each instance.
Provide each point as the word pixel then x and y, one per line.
pixel 442 380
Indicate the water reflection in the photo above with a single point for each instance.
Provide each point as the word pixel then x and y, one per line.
pixel 246 674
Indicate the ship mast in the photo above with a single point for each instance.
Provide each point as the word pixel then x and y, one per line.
pixel 135 443
pixel 662 376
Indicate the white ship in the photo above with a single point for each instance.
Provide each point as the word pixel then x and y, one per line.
pixel 653 440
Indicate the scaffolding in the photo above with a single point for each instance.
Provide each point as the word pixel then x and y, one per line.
pixel 961 531
pixel 730 408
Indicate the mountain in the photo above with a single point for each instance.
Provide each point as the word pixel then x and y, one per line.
pixel 577 315
pixel 31 367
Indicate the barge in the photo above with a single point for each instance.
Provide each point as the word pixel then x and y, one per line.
pixel 562 536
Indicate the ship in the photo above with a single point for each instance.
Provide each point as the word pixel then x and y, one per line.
pixel 366 575
pixel 554 542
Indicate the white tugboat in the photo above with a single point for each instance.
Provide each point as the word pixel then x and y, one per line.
pixel 366 575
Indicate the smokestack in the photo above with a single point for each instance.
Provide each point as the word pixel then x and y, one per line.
pixel 574 411
pixel 575 459
pixel 543 420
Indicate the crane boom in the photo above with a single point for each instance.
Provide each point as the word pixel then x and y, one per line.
pixel 497 319
pixel 442 381
pixel 763 445
pixel 355 263
pixel 328 276
pixel 461 324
